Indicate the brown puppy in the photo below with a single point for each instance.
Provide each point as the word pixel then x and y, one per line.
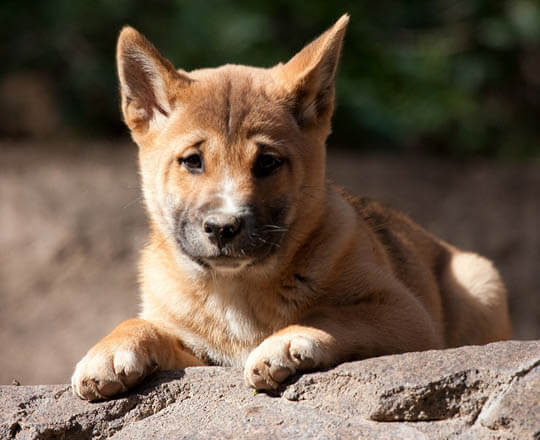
pixel 255 259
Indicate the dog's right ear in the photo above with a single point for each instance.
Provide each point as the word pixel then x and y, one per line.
pixel 308 77
pixel 148 82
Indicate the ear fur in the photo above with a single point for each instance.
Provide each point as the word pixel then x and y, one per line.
pixel 147 81
pixel 309 76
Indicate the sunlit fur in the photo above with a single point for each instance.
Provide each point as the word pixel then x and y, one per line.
pixel 317 277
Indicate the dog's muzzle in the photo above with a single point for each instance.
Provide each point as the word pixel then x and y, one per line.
pixel 220 238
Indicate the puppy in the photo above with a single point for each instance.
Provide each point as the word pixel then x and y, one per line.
pixel 255 259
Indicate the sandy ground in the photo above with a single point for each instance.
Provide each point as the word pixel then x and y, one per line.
pixel 72 222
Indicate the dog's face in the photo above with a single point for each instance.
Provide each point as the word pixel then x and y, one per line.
pixel 231 174
pixel 232 158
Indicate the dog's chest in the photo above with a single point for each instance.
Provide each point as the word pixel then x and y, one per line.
pixel 232 323
pixel 235 317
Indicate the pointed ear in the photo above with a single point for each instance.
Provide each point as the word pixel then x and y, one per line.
pixel 148 81
pixel 309 76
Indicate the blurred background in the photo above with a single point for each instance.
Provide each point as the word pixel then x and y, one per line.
pixel 438 114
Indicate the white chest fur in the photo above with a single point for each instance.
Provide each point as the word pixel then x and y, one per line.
pixel 234 310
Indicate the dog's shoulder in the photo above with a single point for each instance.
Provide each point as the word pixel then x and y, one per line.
pixel 406 243
pixel 379 217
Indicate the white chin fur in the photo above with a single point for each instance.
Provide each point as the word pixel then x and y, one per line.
pixel 229 269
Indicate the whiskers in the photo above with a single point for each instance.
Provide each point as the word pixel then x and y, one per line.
pixel 136 200
pixel 283 230
pixel 257 237
pixel 274 228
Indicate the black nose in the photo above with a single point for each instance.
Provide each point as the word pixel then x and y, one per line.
pixel 222 228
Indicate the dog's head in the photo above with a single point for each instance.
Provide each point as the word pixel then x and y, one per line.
pixel 232 158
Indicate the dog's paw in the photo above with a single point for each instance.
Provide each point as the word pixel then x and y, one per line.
pixel 279 357
pixel 106 371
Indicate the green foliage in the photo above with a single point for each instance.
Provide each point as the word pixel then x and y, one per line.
pixel 458 77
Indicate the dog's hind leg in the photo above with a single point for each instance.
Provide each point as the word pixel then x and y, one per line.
pixel 474 301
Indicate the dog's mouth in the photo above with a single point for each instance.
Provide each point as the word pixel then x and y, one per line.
pixel 227 264
pixel 229 259
pixel 250 242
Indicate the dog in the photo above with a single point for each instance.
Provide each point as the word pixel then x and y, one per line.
pixel 255 259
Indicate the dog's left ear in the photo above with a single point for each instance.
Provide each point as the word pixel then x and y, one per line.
pixel 309 76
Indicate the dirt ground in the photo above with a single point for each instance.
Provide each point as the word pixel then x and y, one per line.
pixel 72 222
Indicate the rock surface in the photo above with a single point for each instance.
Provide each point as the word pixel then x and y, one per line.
pixel 488 392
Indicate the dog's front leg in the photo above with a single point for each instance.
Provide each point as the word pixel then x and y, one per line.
pixel 329 336
pixel 132 351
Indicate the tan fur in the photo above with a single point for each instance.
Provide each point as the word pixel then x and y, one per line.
pixel 333 278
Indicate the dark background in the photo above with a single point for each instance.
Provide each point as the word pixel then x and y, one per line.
pixel 438 115
pixel 450 77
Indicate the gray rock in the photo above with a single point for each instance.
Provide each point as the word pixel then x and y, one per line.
pixel 487 392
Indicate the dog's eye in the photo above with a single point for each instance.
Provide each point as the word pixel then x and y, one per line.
pixel 266 164
pixel 193 162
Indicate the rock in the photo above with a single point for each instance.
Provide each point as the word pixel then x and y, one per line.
pixel 478 392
